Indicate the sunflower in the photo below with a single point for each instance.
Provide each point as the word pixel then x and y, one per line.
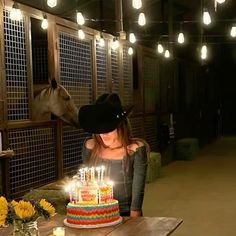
pixel 14 203
pixel 24 210
pixel 47 207
pixel 3 205
pixel 3 210
pixel 21 212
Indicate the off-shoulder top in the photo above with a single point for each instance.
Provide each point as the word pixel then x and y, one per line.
pixel 129 180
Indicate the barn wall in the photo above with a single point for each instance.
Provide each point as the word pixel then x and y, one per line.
pixel 48 150
pixel 45 151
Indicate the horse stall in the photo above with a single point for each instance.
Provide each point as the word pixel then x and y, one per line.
pixel 48 147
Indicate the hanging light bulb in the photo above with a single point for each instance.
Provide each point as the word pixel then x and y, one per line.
pixel 132 38
pixel 15 13
pixel 233 31
pixel 80 18
pixel 160 48
pixel 81 34
pixel 101 41
pixel 167 53
pixel 206 17
pixel 137 4
pixel 204 52
pixel 130 51
pixel 115 44
pixel 181 38
pixel 44 24
pixel 204 49
pixel 220 1
pixel 203 56
pixel 52 3
pixel 141 19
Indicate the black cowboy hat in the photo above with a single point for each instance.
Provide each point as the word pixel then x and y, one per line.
pixel 104 115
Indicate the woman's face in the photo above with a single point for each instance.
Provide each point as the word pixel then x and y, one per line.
pixel 110 139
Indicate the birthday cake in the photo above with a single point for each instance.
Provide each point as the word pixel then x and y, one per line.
pixel 91 200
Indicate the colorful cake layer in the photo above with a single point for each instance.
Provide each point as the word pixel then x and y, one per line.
pixel 83 214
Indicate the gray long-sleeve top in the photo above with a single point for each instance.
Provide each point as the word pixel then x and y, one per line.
pixel 129 181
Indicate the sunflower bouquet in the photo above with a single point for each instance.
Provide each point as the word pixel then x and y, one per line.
pixel 23 213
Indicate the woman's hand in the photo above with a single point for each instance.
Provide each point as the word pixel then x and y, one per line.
pixel 135 213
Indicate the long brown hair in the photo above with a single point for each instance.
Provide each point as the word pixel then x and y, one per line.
pixel 125 136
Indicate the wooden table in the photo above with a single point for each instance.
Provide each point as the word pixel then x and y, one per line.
pixel 138 226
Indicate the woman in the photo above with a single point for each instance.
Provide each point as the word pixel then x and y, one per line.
pixel 111 145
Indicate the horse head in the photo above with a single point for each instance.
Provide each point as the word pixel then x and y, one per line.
pixel 55 99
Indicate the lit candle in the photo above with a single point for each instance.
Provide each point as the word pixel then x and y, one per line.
pixel 75 192
pixel 59 231
pixel 82 177
pixel 68 189
pixel 98 169
pixel 111 184
pixel 86 174
pixel 102 173
pixel 92 174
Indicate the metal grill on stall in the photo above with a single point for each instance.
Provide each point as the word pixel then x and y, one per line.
pixel 101 63
pixel 76 67
pixel 16 68
pixel 115 72
pixel 150 84
pixel 76 76
pixel 127 77
pixel 136 125
pixel 33 163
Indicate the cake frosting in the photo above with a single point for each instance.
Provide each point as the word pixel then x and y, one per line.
pixel 93 214
pixel 91 200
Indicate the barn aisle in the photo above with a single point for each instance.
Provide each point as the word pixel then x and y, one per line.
pixel 202 191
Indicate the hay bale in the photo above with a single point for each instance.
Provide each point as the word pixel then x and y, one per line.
pixel 154 167
pixel 186 148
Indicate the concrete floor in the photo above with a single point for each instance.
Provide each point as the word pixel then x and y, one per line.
pixel 201 191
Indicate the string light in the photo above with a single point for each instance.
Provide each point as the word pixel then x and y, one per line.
pixel 80 18
pixel 181 38
pixel 44 24
pixel 81 34
pixel 204 52
pixel 130 51
pixel 137 4
pixel 167 53
pixel 101 41
pixel 115 44
pixel 15 13
pixel 233 31
pixel 160 48
pixel 142 19
pixel 220 1
pixel 132 38
pixel 206 17
pixel 52 3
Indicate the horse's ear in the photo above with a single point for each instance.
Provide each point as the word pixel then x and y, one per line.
pixel 54 83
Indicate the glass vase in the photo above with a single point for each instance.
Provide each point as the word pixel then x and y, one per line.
pixel 25 229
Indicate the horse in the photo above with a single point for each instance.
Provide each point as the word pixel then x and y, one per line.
pixel 55 99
